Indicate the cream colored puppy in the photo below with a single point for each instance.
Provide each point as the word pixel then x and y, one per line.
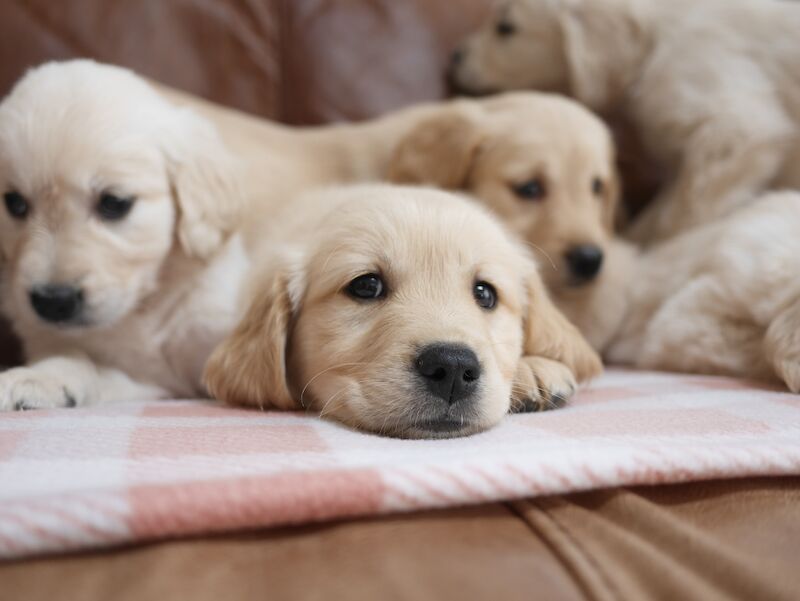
pixel 724 298
pixel 120 267
pixel 405 311
pixel 711 87
pixel 545 165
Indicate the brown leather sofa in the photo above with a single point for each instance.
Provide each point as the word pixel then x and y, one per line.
pixel 317 61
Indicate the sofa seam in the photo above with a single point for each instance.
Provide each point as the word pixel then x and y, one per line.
pixel 575 546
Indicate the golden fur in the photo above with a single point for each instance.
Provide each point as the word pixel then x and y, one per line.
pixel 709 86
pixel 305 342
pixel 722 298
pixel 479 146
pixel 486 148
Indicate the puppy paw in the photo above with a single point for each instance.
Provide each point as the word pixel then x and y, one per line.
pixel 789 372
pixel 24 389
pixel 541 384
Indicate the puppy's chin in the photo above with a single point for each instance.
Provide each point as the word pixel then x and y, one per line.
pixel 456 87
pixel 459 85
pixel 445 428
pixel 405 411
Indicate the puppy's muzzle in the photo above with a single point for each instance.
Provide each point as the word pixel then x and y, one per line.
pixel 57 303
pixel 451 72
pixel 450 372
pixel 585 262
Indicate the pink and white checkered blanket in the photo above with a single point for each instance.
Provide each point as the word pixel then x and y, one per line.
pixel 73 479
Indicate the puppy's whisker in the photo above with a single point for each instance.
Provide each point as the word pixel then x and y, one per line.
pixel 324 371
pixel 542 251
pixel 336 394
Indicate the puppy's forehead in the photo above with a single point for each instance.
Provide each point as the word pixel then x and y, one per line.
pixel 527 128
pixel 76 115
pixel 417 233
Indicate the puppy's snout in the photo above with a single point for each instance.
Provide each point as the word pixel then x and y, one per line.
pixel 457 58
pixel 57 303
pixel 585 262
pixel 450 371
pixel 451 73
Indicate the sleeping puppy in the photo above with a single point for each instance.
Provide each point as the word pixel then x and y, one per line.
pixel 405 311
pixel 721 299
pixel 545 165
pixel 120 268
pixel 711 87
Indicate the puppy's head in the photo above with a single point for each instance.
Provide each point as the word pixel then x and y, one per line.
pixel 99 177
pixel 586 48
pixel 543 163
pixel 403 311
pixel 521 47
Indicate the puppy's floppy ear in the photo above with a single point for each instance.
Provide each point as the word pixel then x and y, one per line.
pixel 249 367
pixel 204 177
pixel 549 334
pixel 605 43
pixel 438 151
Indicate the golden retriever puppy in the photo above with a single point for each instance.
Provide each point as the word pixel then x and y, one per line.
pixel 404 311
pixel 545 165
pixel 121 266
pixel 710 86
pixel 721 299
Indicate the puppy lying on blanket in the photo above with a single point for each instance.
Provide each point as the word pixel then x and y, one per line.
pixel 711 86
pixel 405 311
pixel 121 267
pixel 721 299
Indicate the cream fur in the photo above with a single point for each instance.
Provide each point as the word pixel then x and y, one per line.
pixel 711 86
pixel 492 145
pixel 305 343
pixel 723 298
pixel 152 281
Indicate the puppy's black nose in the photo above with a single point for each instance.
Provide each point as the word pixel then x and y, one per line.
pixel 450 371
pixel 456 58
pixel 584 262
pixel 57 303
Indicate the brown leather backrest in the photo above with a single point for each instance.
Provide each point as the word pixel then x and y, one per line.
pixel 298 61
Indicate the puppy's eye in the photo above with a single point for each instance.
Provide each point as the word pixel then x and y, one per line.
pixel 505 29
pixel 367 287
pixel 113 208
pixel 485 295
pixel 598 187
pixel 16 204
pixel 532 190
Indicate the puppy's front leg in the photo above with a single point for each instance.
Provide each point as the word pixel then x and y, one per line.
pixel 541 384
pixel 68 381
